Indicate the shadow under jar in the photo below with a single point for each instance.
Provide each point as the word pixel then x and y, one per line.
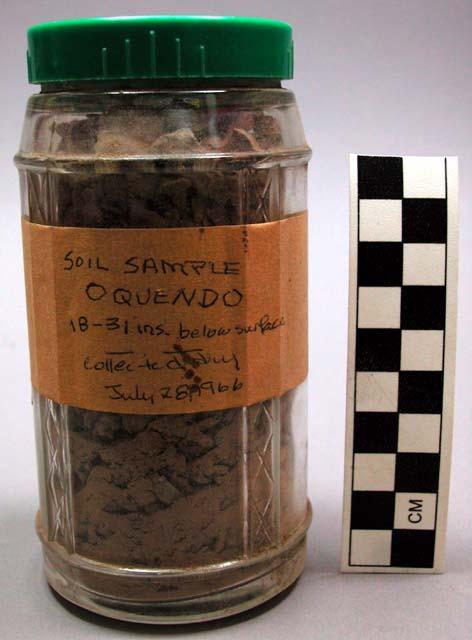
pixel 168 517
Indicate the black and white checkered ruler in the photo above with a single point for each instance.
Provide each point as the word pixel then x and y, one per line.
pixel 402 317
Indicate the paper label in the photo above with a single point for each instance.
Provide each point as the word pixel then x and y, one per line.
pixel 167 320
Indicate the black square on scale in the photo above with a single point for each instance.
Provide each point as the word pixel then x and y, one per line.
pixel 417 472
pixel 375 432
pixel 423 307
pixel 412 548
pixel 378 349
pixel 420 392
pixel 380 264
pixel 372 509
pixel 424 220
pixel 380 178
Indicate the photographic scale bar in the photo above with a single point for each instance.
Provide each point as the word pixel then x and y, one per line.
pixel 400 382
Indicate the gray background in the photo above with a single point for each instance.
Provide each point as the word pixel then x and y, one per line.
pixel 372 76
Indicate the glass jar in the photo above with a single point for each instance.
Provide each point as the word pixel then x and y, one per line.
pixel 200 510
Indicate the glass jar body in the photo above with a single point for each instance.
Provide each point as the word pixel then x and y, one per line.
pixel 225 528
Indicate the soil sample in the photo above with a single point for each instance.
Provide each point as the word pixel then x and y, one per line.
pixel 167 491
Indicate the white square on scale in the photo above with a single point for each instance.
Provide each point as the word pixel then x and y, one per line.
pixel 419 432
pixel 424 264
pixel 422 350
pixel 424 177
pixel 377 391
pixel 380 220
pixel 379 307
pixel 374 472
pixel 371 547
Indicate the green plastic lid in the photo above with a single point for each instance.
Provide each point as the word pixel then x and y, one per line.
pixel 134 47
